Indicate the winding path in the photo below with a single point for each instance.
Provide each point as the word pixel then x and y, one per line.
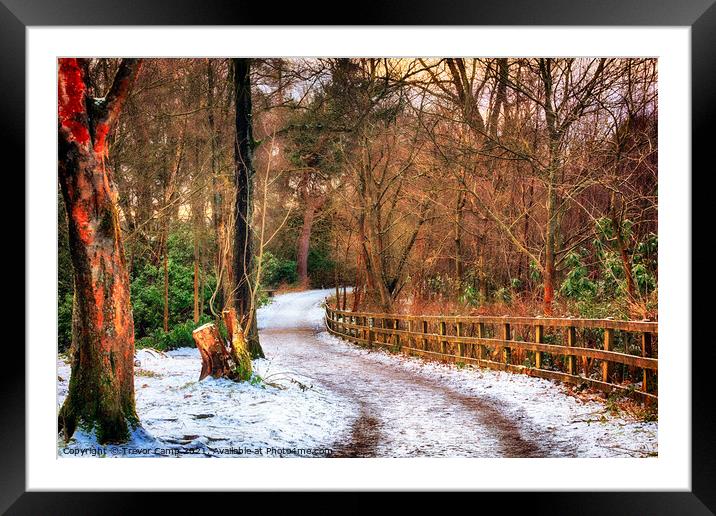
pixel 398 413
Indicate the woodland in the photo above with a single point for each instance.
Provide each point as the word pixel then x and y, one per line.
pixel 191 190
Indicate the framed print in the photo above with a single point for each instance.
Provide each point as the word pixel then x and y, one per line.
pixel 416 253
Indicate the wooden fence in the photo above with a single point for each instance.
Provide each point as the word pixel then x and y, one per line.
pixel 605 354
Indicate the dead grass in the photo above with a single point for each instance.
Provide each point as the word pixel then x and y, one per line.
pixel 285 288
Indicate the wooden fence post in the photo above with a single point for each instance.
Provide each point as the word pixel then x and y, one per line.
pixel 425 339
pixel 396 325
pixel 571 342
pixel 459 332
pixel 539 338
pixel 608 342
pixel 411 343
pixel 480 347
pixel 505 349
pixel 646 351
pixel 443 327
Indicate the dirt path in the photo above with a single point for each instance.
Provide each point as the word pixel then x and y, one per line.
pixel 397 412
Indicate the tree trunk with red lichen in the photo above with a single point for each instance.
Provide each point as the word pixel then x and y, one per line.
pixel 101 390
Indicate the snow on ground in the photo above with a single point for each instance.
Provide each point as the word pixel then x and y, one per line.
pixel 358 402
pixel 426 408
pixel 219 417
pixel 565 425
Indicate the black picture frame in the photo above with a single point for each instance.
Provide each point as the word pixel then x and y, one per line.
pixel 700 15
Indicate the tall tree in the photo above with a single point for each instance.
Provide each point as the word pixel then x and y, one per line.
pixel 101 390
pixel 244 292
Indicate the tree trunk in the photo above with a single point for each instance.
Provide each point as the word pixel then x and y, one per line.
pixel 525 238
pixel 215 359
pixel 552 201
pixel 101 390
pixel 197 212
pixel 239 346
pixel 481 273
pixel 626 263
pixel 166 283
pixel 202 281
pixel 304 241
pixel 459 209
pixel 243 235
pixel 169 198
pixel 358 285
pixel 549 268
pixel 217 199
pixel 617 222
pixel 196 282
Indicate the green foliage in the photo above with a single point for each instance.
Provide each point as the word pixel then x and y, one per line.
pixel 645 281
pixel 600 290
pixel 470 296
pixel 313 143
pixel 643 259
pixel 257 381
pixel 262 299
pixel 437 284
pixel 243 371
pixel 64 321
pixel 147 287
pixel 65 282
pixel 535 272
pixel 503 295
pixel 577 284
pixel 277 271
pixel 147 295
pixel 177 337
pixel 320 266
pixel 645 263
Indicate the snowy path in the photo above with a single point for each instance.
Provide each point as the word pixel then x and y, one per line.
pixel 322 393
pixel 406 407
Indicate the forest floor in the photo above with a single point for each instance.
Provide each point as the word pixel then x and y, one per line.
pixel 320 396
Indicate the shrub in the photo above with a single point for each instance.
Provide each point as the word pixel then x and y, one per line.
pixel 64 322
pixel 470 296
pixel 147 287
pixel 576 284
pixel 180 336
pixel 320 267
pixel 277 271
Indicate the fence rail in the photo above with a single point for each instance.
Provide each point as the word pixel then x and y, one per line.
pixel 606 354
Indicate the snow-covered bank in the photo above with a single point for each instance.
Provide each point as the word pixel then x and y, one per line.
pixel 565 425
pixel 181 416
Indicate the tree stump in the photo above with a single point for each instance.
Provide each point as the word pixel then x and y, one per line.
pixel 239 345
pixel 215 358
pixel 219 359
